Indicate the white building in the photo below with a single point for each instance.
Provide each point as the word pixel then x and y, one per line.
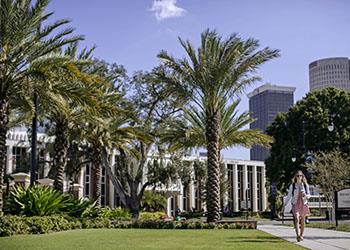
pixel 246 180
pixel 330 72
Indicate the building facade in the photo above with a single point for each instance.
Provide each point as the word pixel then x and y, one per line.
pixel 246 180
pixel 265 102
pixel 330 72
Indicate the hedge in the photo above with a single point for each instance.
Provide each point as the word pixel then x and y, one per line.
pixel 12 225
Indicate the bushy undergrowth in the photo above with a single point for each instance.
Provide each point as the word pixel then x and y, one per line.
pixel 34 201
pixel 12 225
pixel 151 215
pixel 43 201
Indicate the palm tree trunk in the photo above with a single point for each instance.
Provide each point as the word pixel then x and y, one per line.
pixel 96 171
pixel 34 160
pixel 4 119
pixel 61 145
pixel 213 158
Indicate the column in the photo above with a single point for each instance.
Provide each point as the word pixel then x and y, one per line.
pixel 111 186
pixel 21 179
pixel 9 161
pixel 180 197
pixel 263 180
pixel 226 196
pixel 235 188
pixel 168 207
pixel 46 182
pixel 46 165
pixel 255 193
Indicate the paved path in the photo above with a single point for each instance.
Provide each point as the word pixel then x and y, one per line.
pixel 314 238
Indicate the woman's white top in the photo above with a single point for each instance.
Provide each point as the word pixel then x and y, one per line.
pixel 298 188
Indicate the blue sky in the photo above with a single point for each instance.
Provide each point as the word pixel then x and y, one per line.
pixel 132 32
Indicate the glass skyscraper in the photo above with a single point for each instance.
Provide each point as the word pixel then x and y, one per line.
pixel 265 102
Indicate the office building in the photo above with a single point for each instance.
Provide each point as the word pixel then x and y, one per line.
pixel 330 72
pixel 265 102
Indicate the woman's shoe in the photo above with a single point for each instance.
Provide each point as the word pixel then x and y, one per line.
pixel 298 238
pixel 301 237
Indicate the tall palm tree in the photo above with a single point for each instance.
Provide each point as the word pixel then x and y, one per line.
pixel 78 102
pixel 189 133
pixel 25 39
pixel 218 70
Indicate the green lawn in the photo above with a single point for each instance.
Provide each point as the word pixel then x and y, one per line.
pixel 147 239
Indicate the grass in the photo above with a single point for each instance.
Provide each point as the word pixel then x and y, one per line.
pixel 147 239
pixel 341 227
pixel 326 225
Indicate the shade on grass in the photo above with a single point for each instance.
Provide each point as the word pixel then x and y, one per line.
pixel 147 239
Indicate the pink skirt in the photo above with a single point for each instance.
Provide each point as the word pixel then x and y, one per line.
pixel 299 208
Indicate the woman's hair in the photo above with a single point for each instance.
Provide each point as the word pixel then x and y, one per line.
pixel 303 179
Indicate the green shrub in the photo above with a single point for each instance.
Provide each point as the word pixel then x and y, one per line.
pixel 82 207
pixel 153 201
pixel 120 214
pixel 113 214
pixel 34 201
pixel 151 216
pixel 11 225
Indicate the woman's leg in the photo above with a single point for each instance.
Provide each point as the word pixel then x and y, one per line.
pixel 302 225
pixel 296 224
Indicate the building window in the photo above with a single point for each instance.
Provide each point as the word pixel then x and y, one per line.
pixel 87 180
pixel 240 184
pixel 19 155
pixel 230 169
pixel 250 186
pixel 185 198
pixel 259 187
pixel 103 187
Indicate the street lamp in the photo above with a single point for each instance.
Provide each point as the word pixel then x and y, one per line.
pixel 331 127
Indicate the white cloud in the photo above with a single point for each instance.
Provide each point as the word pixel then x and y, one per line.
pixel 164 9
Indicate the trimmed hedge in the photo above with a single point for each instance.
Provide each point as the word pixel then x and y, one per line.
pixel 11 225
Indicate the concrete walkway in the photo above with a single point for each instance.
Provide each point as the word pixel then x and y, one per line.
pixel 314 238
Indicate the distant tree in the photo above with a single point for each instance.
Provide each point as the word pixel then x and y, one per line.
pixel 308 122
pixel 331 172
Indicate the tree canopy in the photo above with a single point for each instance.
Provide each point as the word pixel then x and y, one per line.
pixel 303 130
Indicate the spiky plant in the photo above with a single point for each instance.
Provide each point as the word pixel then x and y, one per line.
pixel 218 70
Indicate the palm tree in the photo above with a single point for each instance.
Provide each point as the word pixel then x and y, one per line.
pixel 218 70
pixel 25 40
pixel 78 102
pixel 189 133
pixel 109 129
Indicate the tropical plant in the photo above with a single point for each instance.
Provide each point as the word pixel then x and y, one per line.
pixel 79 102
pixel 217 71
pixel 34 201
pixel 78 207
pixel 189 133
pixel 26 43
pixel 153 201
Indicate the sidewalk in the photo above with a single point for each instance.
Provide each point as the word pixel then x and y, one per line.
pixel 314 238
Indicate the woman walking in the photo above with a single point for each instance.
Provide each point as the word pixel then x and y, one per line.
pixel 299 194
